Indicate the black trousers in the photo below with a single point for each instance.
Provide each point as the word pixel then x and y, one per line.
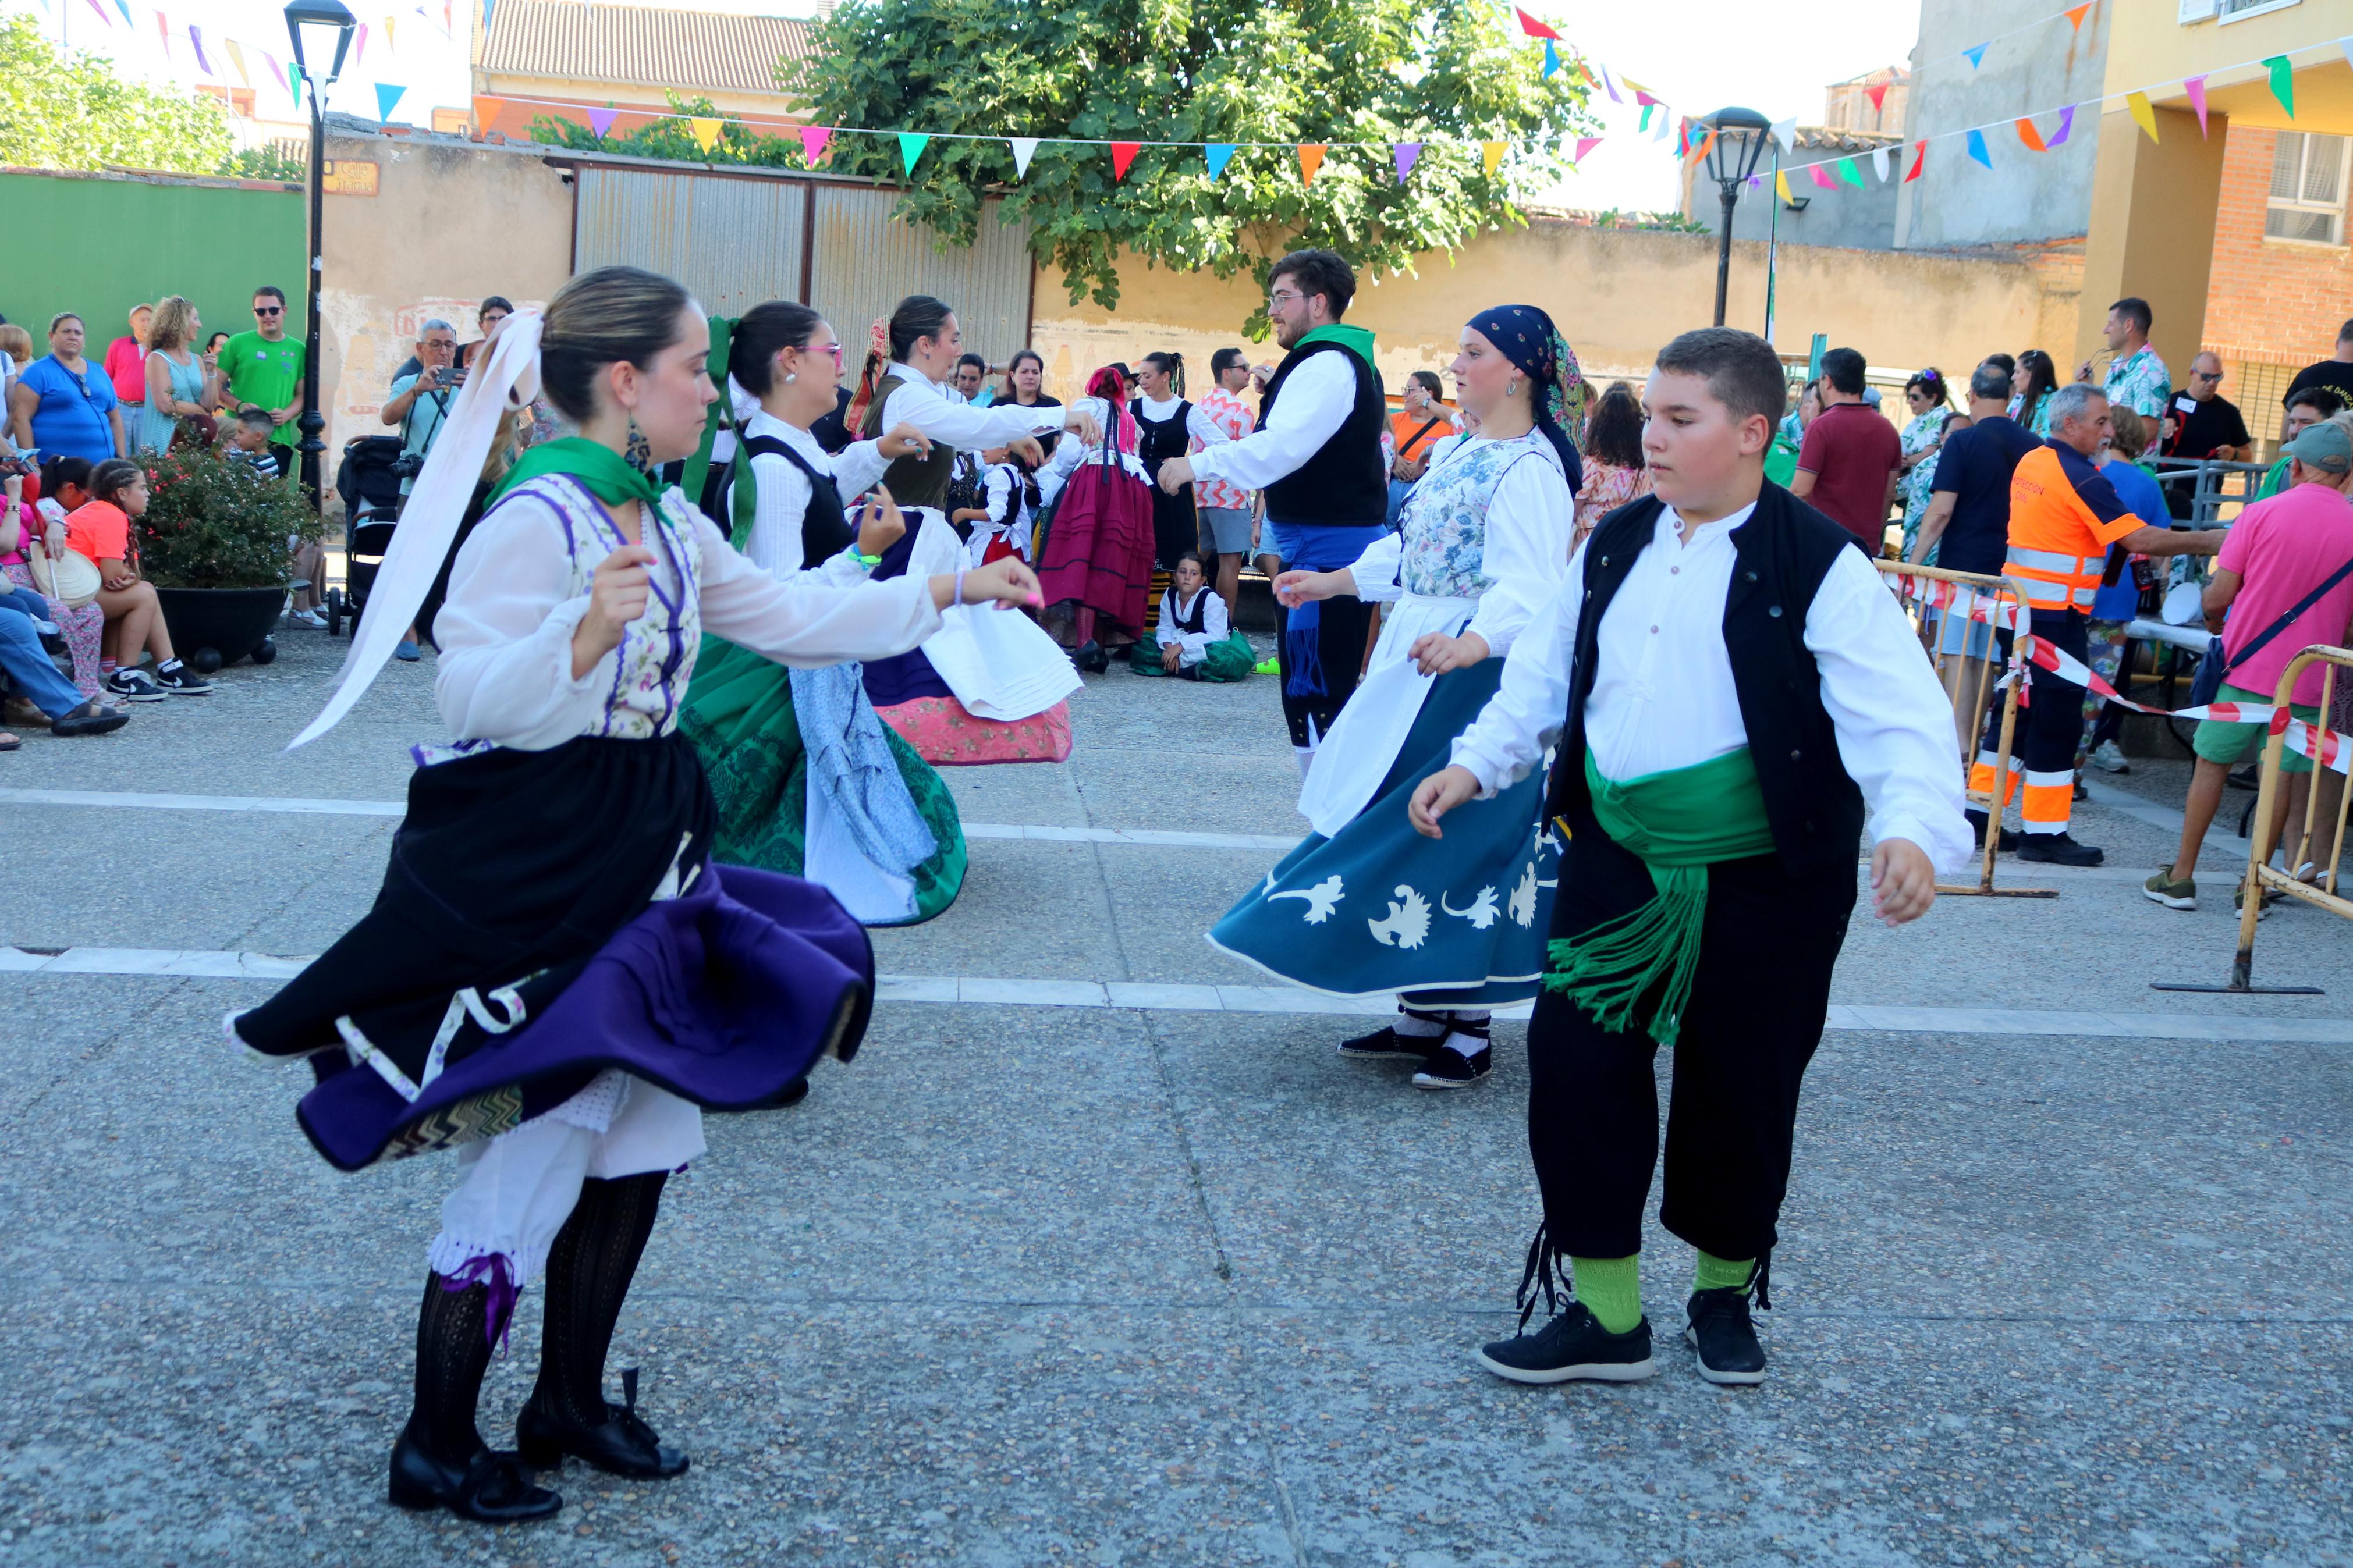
pixel 2049 726
pixel 1762 991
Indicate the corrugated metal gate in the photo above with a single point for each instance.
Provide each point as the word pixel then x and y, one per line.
pixel 737 239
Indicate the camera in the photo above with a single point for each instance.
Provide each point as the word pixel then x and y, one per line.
pixel 407 466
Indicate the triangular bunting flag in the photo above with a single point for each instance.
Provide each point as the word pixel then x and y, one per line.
pixel 600 120
pixel 1977 148
pixel 2066 127
pixel 2144 114
pixel 1311 158
pixel 359 44
pixel 704 130
pixel 2196 88
pixel 1822 176
pixel 911 147
pixel 1407 154
pixel 1123 157
pixel 1667 123
pixel 276 75
pixel 1491 153
pixel 388 40
pixel 2076 14
pixel 124 6
pixel 1879 164
pixel 164 28
pixel 386 94
pixel 1024 149
pixel 1976 55
pixel 2282 83
pixel 236 59
pixel 1585 144
pixel 1705 147
pixel 1781 187
pixel 1611 87
pixel 2031 136
pixel 1551 60
pixel 1919 161
pixel 485 110
pixel 813 140
pixel 1530 27
pixel 1785 131
pixel 196 42
pixel 1877 93
pixel 1644 123
pixel 1219 154
pixel 102 13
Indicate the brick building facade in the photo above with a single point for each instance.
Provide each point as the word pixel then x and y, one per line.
pixel 2272 305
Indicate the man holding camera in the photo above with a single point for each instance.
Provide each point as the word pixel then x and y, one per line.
pixel 420 403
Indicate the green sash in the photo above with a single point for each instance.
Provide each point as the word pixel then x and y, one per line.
pixel 1678 822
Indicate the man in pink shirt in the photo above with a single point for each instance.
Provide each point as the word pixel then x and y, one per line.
pixel 2279 553
pixel 126 362
pixel 1848 462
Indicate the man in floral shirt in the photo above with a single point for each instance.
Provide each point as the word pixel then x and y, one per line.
pixel 2138 379
pixel 1226 508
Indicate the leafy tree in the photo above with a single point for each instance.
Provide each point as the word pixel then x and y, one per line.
pixel 674 139
pixel 265 163
pixel 71 110
pixel 1441 72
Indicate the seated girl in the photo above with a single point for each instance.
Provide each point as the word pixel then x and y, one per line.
pixel 59 492
pixel 1195 639
pixel 100 529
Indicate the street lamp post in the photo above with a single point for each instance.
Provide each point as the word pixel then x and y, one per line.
pixel 1739 136
pixel 322 31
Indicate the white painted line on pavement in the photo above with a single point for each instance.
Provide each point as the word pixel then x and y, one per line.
pixel 1034 833
pixel 982 991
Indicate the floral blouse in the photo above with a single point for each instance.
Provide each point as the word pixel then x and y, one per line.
pixel 1607 488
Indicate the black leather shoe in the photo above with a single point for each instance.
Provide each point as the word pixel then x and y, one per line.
pixel 1090 657
pixel 623 1446
pixel 2058 849
pixel 492 1488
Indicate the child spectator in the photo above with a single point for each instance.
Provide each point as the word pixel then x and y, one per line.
pixel 1009 517
pixel 248 445
pixel 58 492
pixel 100 530
pixel 1195 641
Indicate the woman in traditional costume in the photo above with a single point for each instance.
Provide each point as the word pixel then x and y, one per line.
pixel 1366 906
pixel 808 780
pixel 1096 553
pixel 554 974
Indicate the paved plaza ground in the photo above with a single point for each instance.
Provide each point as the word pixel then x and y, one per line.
pixel 1096 1255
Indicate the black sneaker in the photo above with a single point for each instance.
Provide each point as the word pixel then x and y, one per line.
pixel 1720 1330
pixel 135 686
pixel 1451 1069
pixel 179 681
pixel 2058 849
pixel 1384 1044
pixel 1571 1348
pixel 2006 844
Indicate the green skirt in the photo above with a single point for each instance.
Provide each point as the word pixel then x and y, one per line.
pixel 738 713
pixel 1230 658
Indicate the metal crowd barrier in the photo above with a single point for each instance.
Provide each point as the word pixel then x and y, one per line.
pixel 2214 483
pixel 2262 876
pixel 1978 600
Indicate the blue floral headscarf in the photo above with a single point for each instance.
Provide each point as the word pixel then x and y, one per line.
pixel 1525 335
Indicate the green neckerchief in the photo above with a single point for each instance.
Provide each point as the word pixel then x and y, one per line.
pixel 605 471
pixel 1357 340
pixel 720 416
pixel 1678 824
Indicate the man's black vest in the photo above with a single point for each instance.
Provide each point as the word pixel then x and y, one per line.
pixel 1342 483
pixel 1780 556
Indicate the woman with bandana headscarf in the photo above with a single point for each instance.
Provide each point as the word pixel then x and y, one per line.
pixel 1454 927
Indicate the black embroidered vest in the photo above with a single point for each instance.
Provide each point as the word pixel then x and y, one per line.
pixel 1780 557
pixel 1342 483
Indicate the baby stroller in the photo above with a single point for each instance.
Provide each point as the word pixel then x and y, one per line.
pixel 369 481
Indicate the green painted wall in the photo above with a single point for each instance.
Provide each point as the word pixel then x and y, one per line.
pixel 98 244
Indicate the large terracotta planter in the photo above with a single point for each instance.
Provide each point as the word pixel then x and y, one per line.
pixel 232 623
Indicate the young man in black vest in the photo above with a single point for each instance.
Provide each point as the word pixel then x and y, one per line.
pixel 1317 453
pixel 1729 685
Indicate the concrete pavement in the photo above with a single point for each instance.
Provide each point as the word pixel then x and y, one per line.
pixel 1094 1283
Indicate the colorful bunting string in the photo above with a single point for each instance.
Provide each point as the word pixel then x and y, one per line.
pixel 1024 149
pixel 1311 158
pixel 2282 83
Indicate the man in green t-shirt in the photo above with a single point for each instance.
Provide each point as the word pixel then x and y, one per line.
pixel 263 369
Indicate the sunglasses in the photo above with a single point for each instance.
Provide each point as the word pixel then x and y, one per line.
pixel 2205 376
pixel 270 310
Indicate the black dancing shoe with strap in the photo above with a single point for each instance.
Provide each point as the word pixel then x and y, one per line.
pixel 1384 1044
pixel 621 1445
pixel 490 1488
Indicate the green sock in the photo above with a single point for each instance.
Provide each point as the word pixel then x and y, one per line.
pixel 1715 1273
pixel 1612 1290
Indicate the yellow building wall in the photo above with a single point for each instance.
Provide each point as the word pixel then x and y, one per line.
pixel 2150 50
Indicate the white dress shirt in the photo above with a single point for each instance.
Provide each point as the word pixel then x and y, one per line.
pixel 915 399
pixel 1203 430
pixel 781 496
pixel 1663 696
pixel 1314 403
pixel 1215 625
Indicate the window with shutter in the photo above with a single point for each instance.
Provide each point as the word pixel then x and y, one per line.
pixel 2306 201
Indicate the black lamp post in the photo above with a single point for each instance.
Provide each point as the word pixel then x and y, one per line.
pixel 1740 135
pixel 322 31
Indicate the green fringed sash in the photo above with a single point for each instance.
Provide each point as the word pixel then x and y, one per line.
pixel 1678 824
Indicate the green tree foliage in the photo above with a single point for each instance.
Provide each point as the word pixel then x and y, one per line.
pixel 674 139
pixel 71 110
pixel 1248 71
pixel 265 163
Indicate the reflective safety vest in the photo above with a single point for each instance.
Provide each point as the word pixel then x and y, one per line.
pixel 2058 545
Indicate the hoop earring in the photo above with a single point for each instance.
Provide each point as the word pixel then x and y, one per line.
pixel 640 452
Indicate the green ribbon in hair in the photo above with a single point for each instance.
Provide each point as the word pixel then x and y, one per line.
pixel 1678 824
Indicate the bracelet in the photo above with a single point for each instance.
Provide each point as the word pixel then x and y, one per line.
pixel 959 585
pixel 869 562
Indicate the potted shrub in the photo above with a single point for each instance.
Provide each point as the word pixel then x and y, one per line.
pixel 218 543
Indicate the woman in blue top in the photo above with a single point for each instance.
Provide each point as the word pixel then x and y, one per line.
pixel 63 406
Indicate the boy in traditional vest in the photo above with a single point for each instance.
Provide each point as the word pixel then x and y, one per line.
pixel 1729 684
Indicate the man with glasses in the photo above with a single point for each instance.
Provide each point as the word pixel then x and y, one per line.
pixel 263 369
pixel 2202 422
pixel 1316 453
pixel 420 403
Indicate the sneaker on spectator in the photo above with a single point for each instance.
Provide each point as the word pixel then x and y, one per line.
pixel 2109 758
pixel 311 618
pixel 180 681
pixel 2174 894
pixel 135 686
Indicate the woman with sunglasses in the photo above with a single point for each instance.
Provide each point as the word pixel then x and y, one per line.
pixel 1933 418
pixel 808 782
